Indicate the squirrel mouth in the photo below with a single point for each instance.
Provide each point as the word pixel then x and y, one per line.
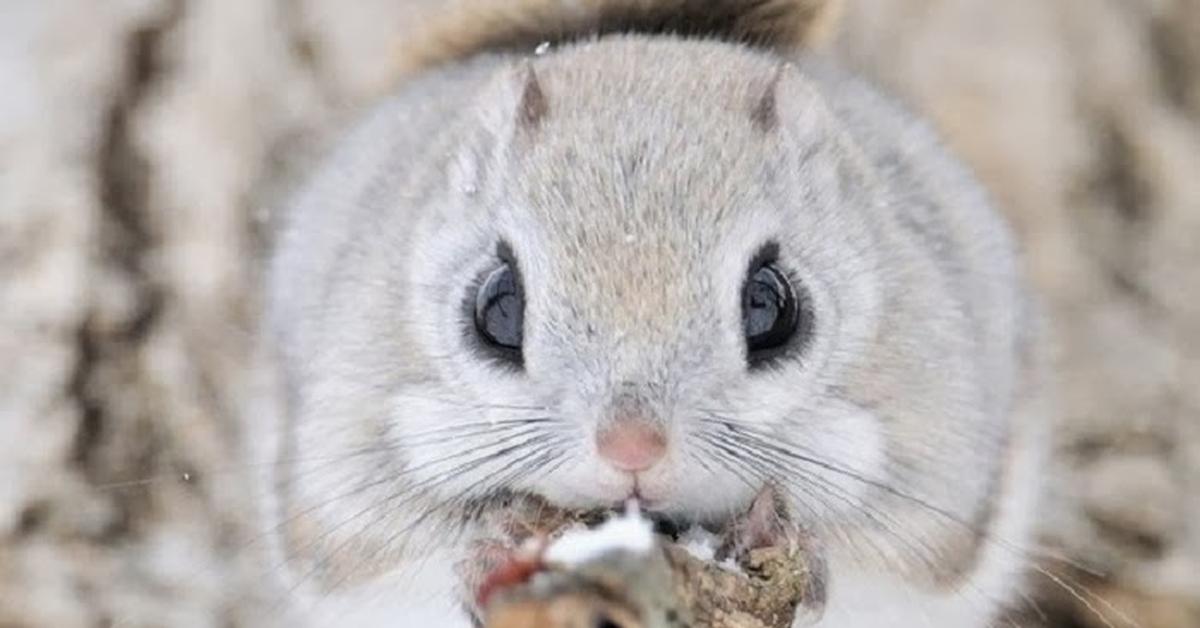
pixel 671 525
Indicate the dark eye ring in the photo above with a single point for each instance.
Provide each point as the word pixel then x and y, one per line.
pixel 499 310
pixel 772 312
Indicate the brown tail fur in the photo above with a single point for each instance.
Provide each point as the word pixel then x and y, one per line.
pixel 460 28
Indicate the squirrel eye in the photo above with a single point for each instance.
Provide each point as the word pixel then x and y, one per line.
pixel 770 314
pixel 500 312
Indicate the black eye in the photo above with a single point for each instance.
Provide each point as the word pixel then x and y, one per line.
pixel 500 312
pixel 770 312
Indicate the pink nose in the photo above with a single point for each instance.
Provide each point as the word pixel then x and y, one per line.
pixel 631 446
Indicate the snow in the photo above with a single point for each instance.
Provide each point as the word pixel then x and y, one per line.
pixel 699 542
pixel 630 532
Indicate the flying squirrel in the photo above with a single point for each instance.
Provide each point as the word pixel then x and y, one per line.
pixel 595 250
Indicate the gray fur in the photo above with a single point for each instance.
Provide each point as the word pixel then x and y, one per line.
pixel 634 202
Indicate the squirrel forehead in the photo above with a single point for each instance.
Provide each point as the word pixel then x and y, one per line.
pixel 642 167
pixel 638 139
pixel 646 75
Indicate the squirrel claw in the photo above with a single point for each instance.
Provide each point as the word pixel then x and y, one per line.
pixel 765 524
pixel 767 528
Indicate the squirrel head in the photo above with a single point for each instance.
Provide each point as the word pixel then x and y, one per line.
pixel 659 253
pixel 634 266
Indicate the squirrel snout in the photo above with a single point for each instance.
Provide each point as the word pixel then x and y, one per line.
pixel 631 445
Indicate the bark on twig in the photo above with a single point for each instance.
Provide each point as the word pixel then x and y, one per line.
pixel 771 577
pixel 666 588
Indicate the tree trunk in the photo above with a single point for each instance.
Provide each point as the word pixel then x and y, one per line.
pixel 141 140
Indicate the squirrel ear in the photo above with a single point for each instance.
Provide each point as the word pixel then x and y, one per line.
pixel 764 112
pixel 532 105
pixel 515 103
pixel 509 109
pixel 787 98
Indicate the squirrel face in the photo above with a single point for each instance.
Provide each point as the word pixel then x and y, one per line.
pixel 663 274
pixel 678 280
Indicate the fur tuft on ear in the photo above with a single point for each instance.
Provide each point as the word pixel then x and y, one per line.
pixel 513 102
pixel 765 111
pixel 786 99
pixel 456 29
pixel 532 106
pixel 513 105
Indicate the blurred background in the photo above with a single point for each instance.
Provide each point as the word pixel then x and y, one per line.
pixel 142 140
